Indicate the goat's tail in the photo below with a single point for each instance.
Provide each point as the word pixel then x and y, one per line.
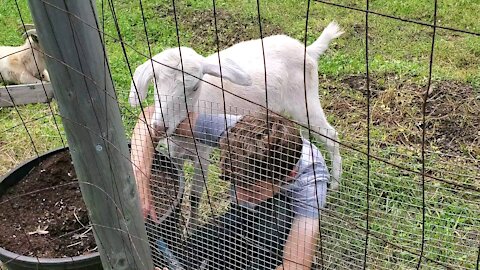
pixel 331 32
pixel 139 86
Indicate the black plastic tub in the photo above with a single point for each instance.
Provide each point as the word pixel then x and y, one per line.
pixel 91 261
pixel 15 261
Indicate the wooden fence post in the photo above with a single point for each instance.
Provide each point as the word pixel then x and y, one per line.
pixel 85 94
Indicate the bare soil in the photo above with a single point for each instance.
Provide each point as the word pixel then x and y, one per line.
pixel 452 110
pixel 49 199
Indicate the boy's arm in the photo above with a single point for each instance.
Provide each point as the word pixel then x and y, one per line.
pixel 311 193
pixel 300 247
pixel 141 156
pixel 145 138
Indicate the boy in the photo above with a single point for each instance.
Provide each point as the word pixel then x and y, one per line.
pixel 278 187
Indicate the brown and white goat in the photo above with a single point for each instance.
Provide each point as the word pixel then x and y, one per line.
pixel 23 64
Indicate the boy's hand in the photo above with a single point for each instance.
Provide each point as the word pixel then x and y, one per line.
pixel 147 207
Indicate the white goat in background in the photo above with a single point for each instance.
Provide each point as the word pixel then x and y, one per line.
pixel 18 65
pixel 243 67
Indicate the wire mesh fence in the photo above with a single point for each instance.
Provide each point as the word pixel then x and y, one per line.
pixel 256 188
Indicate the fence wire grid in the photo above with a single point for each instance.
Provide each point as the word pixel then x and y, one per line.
pixel 253 190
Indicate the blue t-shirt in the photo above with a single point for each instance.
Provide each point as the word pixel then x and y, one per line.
pixel 308 189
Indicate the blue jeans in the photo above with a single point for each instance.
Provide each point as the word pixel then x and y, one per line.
pixel 240 239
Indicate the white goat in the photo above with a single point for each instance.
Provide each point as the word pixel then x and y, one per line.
pixel 18 65
pixel 242 65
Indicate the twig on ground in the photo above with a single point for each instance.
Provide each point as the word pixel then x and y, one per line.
pixel 74 244
pixel 39 230
pixel 76 217
pixel 82 235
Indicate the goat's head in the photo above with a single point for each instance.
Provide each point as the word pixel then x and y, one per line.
pixel 172 85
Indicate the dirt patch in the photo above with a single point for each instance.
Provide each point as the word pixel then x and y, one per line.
pixel 453 111
pixel 232 28
pixel 50 223
pixel 452 122
pixel 359 83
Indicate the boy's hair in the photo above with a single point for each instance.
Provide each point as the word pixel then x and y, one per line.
pixel 245 158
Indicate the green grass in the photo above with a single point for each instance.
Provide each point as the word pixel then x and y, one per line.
pixel 399 55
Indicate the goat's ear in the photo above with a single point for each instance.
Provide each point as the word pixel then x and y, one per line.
pixel 34 38
pixel 230 71
pixel 32 33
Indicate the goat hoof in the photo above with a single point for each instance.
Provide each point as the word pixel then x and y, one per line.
pixel 334 184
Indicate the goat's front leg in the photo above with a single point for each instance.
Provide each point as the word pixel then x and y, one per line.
pixel 185 148
pixel 27 78
pixel 200 181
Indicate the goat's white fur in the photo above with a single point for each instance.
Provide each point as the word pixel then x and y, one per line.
pixel 284 57
pixel 18 65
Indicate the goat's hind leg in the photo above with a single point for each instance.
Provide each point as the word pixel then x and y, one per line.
pixel 325 133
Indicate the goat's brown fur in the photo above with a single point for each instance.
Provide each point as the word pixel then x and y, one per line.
pixel 18 65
